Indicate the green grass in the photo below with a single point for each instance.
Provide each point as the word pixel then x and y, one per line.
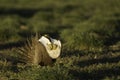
pixel 89 31
pixel 76 66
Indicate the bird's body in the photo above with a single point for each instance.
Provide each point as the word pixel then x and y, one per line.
pixel 46 50
pixel 43 51
pixel 52 46
pixel 41 56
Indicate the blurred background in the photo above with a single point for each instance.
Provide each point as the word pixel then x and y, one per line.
pixel 79 24
pixel 88 29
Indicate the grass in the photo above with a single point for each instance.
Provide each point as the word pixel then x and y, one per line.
pixel 89 31
pixel 77 66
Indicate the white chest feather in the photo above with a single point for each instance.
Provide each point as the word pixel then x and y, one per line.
pixel 53 46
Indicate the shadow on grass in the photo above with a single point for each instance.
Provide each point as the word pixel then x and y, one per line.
pixel 12 59
pixel 12 44
pixel 97 61
pixel 23 12
pixel 73 53
pixel 9 63
pixel 96 75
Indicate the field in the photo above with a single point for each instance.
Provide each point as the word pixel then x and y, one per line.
pixel 88 29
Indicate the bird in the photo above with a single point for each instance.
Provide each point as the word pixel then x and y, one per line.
pixel 41 51
pixel 52 46
pixel 47 50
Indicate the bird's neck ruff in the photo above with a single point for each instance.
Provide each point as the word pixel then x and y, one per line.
pixel 52 46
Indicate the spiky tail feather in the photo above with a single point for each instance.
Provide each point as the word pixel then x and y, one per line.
pixel 34 53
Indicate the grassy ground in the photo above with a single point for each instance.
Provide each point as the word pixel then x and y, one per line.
pixel 77 66
pixel 89 31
